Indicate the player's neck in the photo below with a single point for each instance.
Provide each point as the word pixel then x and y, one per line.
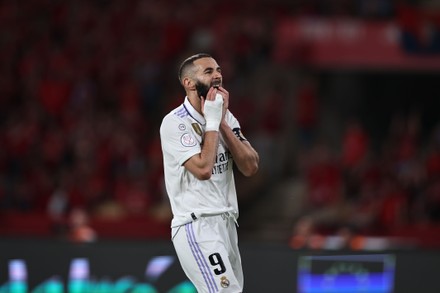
pixel 196 103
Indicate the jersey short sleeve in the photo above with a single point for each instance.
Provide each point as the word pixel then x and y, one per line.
pixel 179 141
pixel 235 125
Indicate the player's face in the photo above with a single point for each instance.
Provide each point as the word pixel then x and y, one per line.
pixel 208 75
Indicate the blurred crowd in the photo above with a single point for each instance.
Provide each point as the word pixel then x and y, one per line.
pixel 359 190
pixel 84 86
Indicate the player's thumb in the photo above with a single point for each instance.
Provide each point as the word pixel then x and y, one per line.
pixel 202 103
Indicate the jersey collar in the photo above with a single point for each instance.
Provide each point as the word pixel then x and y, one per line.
pixel 193 113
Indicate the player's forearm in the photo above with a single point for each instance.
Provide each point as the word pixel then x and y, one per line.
pixel 202 164
pixel 245 156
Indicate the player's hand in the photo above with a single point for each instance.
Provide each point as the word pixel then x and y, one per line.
pixel 225 94
pixel 212 109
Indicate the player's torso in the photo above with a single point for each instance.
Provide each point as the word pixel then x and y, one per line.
pixel 187 193
pixel 222 171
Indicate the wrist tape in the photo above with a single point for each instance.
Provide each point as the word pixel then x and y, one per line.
pixel 213 113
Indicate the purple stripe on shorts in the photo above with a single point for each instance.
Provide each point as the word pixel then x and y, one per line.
pixel 209 272
pixel 199 259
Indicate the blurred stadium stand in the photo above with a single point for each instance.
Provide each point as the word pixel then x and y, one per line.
pixel 339 98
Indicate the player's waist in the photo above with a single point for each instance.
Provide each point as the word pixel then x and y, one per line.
pixel 227 214
pixel 194 216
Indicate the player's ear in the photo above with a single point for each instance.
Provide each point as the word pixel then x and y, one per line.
pixel 188 83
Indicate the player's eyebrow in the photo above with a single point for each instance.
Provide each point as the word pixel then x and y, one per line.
pixel 208 69
pixel 211 69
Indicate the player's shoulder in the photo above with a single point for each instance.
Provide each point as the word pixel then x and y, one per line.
pixel 229 114
pixel 174 117
pixel 230 118
pixel 179 112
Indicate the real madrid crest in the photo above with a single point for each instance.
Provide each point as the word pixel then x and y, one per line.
pixel 224 282
pixel 197 128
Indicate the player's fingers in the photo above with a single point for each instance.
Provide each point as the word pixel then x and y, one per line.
pixel 225 95
pixel 223 91
pixel 211 94
pixel 202 103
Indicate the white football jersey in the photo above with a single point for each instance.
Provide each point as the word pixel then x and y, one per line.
pixel 181 134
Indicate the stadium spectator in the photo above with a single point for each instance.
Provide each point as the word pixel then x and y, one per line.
pixel 83 84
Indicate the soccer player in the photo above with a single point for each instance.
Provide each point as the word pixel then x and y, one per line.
pixel 201 140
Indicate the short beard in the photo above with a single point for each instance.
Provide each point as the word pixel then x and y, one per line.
pixel 202 89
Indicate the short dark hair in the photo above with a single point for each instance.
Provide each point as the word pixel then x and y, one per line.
pixel 190 61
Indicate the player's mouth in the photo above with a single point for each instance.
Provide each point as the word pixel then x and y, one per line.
pixel 216 83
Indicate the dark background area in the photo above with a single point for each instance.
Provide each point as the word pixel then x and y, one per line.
pixel 268 267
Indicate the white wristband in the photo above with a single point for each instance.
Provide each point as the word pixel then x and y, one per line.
pixel 213 113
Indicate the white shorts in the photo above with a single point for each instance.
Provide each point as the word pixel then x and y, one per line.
pixel 208 253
